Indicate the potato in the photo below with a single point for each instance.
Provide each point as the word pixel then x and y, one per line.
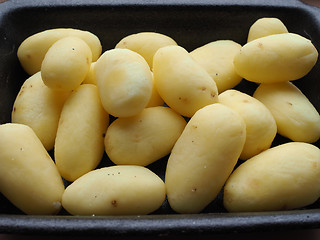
pixel 296 117
pixel 32 50
pixel 217 59
pixel 39 107
pixel 155 99
pixel 28 176
pixel 266 26
pixel 66 64
pixel 276 58
pixel 115 190
pixel 261 127
pixel 146 44
pixel 203 157
pixel 90 77
pixel 181 82
pixel 281 178
pixel 79 145
pixel 144 138
pixel 124 81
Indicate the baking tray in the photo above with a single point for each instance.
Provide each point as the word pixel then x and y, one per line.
pixel 192 24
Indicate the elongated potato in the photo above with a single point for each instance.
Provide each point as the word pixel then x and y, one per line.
pixel 261 127
pixel 66 64
pixel 204 157
pixel 146 44
pixel 217 59
pixel 116 190
pixel 124 81
pixel 144 138
pixel 28 176
pixel 266 26
pixel 181 82
pixel 39 107
pixel 32 50
pixel 276 58
pixel 296 117
pixel 79 143
pixel 280 178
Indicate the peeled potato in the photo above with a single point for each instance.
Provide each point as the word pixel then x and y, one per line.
pixel 281 178
pixel 276 58
pixel 266 26
pixel 296 117
pixel 144 138
pixel 217 58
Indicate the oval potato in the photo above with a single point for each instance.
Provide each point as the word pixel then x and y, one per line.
pixel 266 26
pixel 66 64
pixel 39 107
pixel 217 59
pixel 115 190
pixel 144 138
pixel 276 58
pixel 296 117
pixel 28 176
pixel 203 157
pixel 181 82
pixel 261 128
pixel 32 50
pixel 124 81
pixel 146 44
pixel 79 145
pixel 281 178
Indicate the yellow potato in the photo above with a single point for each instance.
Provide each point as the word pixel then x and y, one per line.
pixel 155 99
pixel 79 143
pixel 116 190
pixel 28 176
pixel 296 117
pixel 66 64
pixel 217 59
pixel 280 178
pixel 32 50
pixel 144 138
pixel 146 44
pixel 39 107
pixel 124 81
pixel 266 26
pixel 203 157
pixel 181 82
pixel 90 77
pixel 261 127
pixel 276 58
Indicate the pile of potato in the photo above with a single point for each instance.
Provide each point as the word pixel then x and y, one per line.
pixel 165 101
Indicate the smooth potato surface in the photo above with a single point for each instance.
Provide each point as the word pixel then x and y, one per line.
pixel 28 176
pixel 66 64
pixel 203 157
pixel 124 81
pixel 79 143
pixel 181 82
pixel 276 58
pixel 144 138
pixel 266 26
pixel 32 50
pixel 281 178
pixel 146 44
pixel 217 58
pixel 39 107
pixel 115 190
pixel 296 117
pixel 261 128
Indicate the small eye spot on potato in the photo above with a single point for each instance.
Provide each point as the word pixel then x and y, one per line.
pixel 114 203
